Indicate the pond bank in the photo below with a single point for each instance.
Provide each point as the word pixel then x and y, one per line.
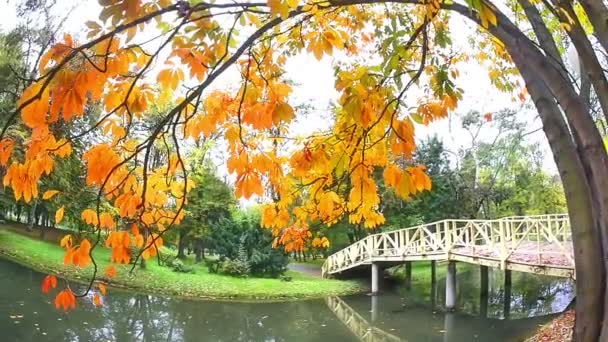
pixel 558 330
pixel 47 257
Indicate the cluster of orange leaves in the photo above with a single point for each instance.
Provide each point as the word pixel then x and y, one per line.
pixel 320 242
pixel 78 255
pixel 293 239
pixel 319 178
pixel 66 299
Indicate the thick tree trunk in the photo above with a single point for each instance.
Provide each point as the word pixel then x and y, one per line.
pixel 589 230
pixel 598 16
pixel 181 245
pixel 587 55
pixel 588 258
pixel 31 218
pixel 545 39
pixel 198 251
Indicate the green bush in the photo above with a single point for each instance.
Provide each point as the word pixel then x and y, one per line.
pixel 268 262
pixel 238 267
pixel 178 266
pixel 247 247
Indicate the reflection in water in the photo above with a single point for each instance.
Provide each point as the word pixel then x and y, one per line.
pixel 361 328
pixel 28 315
pixel 531 295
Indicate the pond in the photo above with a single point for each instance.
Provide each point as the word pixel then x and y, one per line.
pixel 28 315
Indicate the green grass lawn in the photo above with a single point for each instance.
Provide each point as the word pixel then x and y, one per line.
pixel 48 258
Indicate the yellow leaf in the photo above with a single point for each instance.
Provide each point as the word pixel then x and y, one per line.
pixel 66 241
pixel 279 7
pixel 49 194
pixel 282 112
pixel 170 78
pixel 565 26
pixel 487 16
pixel 59 215
pixel 253 19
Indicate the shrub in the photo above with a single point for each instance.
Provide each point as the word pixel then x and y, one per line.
pixel 268 262
pixel 178 266
pixel 239 266
pixel 247 247
pixel 236 268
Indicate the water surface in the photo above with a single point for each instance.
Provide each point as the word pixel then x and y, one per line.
pixel 26 314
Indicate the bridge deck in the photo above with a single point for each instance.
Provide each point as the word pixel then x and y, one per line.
pixel 526 253
pixel 535 244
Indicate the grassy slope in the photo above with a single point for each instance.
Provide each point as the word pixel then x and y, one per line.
pixel 48 258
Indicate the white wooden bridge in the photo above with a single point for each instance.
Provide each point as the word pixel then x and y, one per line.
pixel 539 244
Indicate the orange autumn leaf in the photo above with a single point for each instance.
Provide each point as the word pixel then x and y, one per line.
pixel 66 300
pixel 170 78
pixel 111 271
pixel 119 242
pixel 97 300
pixel 6 149
pixel 89 216
pixel 66 241
pixel 101 160
pixel 49 194
pixel 102 289
pixel 138 241
pixel 82 256
pixel 68 258
pixel 106 221
pixel 249 184
pixel 49 282
pixel 134 229
pixel 59 215
pixel 35 102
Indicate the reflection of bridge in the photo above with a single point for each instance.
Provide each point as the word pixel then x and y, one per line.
pixel 536 244
pixel 366 331
pixel 358 325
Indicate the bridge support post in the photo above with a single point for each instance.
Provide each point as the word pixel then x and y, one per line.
pixel 483 293
pixel 450 286
pixel 374 308
pixel 507 299
pixel 375 278
pixel 433 283
pixel 448 326
pixel 408 275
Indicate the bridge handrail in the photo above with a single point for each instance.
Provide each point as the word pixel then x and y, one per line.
pixel 441 236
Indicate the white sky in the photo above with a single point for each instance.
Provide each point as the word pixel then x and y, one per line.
pixel 315 83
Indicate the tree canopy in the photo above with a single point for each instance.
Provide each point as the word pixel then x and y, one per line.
pixel 164 52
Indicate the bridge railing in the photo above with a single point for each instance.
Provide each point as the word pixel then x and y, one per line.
pixel 357 324
pixel 517 238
